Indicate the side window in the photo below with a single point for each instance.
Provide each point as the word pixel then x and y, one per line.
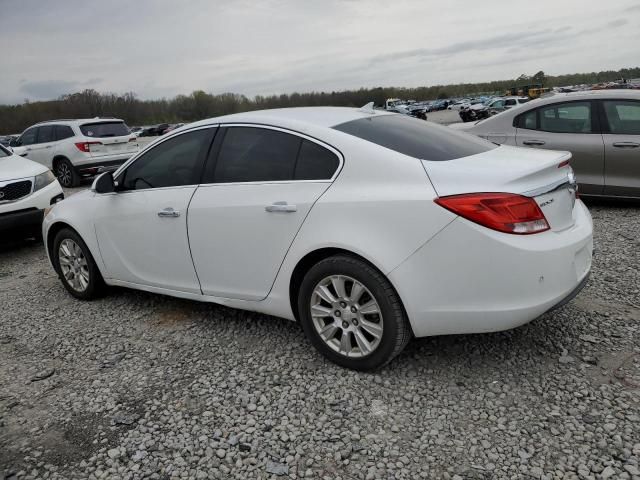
pixel 315 162
pixel 46 134
pixel 251 154
pixel 623 116
pixel 172 163
pixel 63 131
pixel 497 104
pixel 29 137
pixel 528 120
pixel 574 117
pixel 510 102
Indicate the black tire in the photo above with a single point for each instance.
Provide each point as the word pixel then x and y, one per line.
pixel 396 329
pixel 96 285
pixel 66 173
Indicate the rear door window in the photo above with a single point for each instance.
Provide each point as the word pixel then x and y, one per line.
pixel 104 129
pixel 63 131
pixel 415 138
pixel 46 134
pixel 623 116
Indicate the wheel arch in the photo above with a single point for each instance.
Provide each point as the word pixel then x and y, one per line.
pixel 315 256
pixel 57 158
pixel 53 230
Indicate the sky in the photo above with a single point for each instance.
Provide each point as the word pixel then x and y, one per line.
pixel 161 48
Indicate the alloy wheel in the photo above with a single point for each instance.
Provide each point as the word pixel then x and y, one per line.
pixel 64 174
pixel 346 316
pixel 73 265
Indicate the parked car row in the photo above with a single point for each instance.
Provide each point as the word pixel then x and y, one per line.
pixel 155 130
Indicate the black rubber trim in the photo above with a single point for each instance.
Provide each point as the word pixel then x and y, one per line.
pixel 27 219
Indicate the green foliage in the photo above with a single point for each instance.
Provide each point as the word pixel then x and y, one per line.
pixel 199 104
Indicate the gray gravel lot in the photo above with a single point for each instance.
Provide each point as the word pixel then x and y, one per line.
pixel 143 386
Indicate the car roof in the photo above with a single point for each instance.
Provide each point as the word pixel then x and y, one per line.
pixel 298 116
pixel 79 121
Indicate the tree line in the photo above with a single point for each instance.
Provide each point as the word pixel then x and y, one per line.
pixel 199 104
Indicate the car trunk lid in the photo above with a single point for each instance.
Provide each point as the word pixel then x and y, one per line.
pixel 540 174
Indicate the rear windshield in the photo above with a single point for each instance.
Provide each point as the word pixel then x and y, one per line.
pixel 104 129
pixel 416 138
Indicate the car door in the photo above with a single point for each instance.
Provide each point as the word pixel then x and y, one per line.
pixel 25 142
pixel 571 126
pixel 142 227
pixel 42 150
pixel 621 135
pixel 260 184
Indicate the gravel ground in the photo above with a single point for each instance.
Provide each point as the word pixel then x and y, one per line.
pixel 143 386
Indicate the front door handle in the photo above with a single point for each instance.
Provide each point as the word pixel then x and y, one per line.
pixel 533 142
pixel 169 212
pixel 626 145
pixel 281 207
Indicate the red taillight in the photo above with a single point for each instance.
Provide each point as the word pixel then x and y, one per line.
pixel 85 146
pixel 505 212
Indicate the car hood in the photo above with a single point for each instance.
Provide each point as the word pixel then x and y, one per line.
pixel 14 166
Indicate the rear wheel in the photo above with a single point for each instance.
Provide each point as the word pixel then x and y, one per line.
pixel 75 266
pixel 351 313
pixel 66 174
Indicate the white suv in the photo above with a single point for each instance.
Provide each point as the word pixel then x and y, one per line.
pixel 27 189
pixel 77 148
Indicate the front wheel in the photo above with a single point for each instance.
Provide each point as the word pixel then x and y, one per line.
pixel 75 265
pixel 351 313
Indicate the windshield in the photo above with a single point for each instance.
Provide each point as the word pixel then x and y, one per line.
pixel 104 129
pixel 415 138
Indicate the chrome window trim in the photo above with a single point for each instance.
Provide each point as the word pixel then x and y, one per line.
pixel 288 131
pixel 304 136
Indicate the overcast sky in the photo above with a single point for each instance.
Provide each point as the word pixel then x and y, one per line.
pixel 160 48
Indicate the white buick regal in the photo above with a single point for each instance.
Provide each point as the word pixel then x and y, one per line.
pixel 365 226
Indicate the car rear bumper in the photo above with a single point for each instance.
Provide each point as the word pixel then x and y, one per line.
pixel 469 279
pixel 99 166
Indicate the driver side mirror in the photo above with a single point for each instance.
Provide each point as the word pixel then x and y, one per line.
pixel 15 142
pixel 104 183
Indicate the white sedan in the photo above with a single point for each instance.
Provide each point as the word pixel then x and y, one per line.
pixel 365 226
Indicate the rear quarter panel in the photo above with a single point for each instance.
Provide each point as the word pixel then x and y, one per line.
pixel 380 207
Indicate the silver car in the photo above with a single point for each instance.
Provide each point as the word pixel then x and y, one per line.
pixel 601 128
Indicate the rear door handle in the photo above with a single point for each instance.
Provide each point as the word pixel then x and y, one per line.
pixel 533 142
pixel 169 212
pixel 626 145
pixel 281 207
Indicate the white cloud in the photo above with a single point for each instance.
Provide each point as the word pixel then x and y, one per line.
pixel 162 47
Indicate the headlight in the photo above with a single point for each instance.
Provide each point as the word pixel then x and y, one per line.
pixel 43 180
